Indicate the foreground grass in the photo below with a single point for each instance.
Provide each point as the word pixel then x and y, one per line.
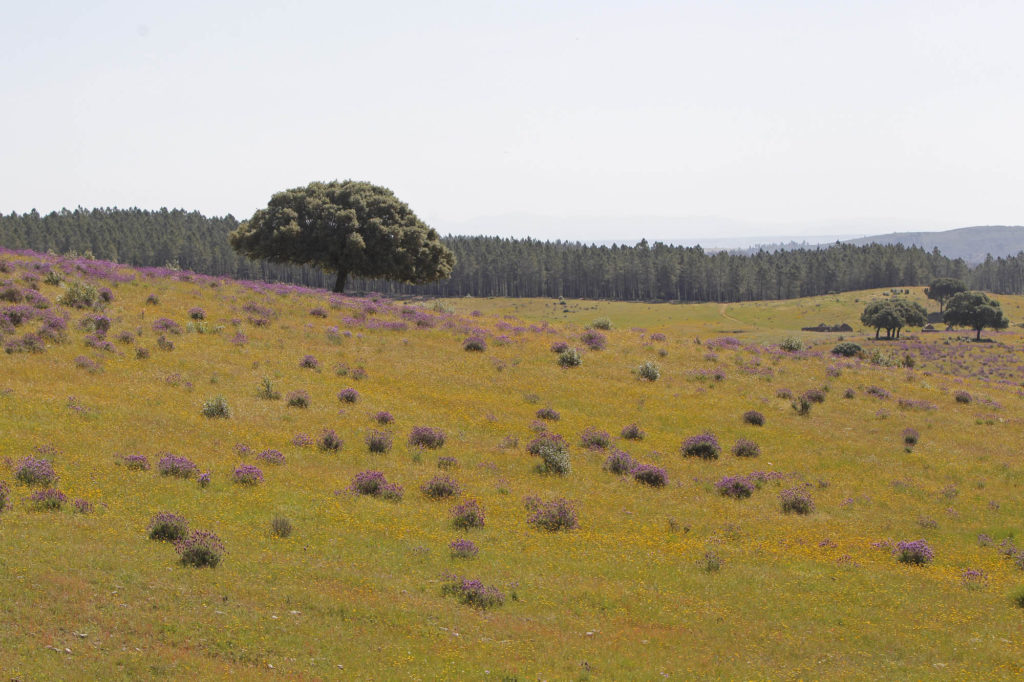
pixel 356 589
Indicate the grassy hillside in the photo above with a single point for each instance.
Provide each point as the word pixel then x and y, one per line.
pixel 677 580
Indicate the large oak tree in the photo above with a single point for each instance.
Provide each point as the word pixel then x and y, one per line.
pixel 351 228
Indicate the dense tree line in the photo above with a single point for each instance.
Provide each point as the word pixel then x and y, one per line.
pixel 493 266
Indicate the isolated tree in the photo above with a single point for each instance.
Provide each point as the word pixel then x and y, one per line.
pixel 351 228
pixel 975 310
pixel 893 315
pixel 912 314
pixel 943 289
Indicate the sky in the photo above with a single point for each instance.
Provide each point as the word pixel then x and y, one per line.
pixel 577 120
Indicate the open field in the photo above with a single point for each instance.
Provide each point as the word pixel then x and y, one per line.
pixel 358 589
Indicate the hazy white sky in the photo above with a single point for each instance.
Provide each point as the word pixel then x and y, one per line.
pixel 736 117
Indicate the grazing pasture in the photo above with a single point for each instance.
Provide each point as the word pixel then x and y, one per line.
pixel 204 478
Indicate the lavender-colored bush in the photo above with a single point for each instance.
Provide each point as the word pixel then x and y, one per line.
pixel 348 395
pixel 135 462
pixel 559 347
pixel 649 474
pixel 179 467
pixel 548 413
pixel 546 439
pixel 200 548
pixel 168 526
pixel 275 457
pixel 34 471
pixel 426 437
pixel 204 479
pixel 746 448
pixel 378 441
pixel 468 515
pixel 440 486
pixel 166 325
pixel 595 439
pixel 619 462
pixel 474 343
pixel 383 417
pixel 373 484
pixel 962 397
pixel 553 515
pixel 594 340
pixel 247 474
pixel 796 501
pixel 298 399
pixel 910 436
pixel 447 463
pixel 309 362
pixel 703 445
pixel 463 549
pixel 632 432
pixel 914 552
pixel 328 441
pixel 48 499
pixel 473 593
pixel 735 486
pixel 197 313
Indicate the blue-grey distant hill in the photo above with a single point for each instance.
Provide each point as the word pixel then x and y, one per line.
pixel 972 244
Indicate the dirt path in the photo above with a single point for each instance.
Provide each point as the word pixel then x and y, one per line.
pixel 721 311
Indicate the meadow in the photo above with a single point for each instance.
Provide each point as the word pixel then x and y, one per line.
pixel 865 528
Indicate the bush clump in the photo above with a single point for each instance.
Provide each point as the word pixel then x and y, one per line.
pixel 135 462
pixel 216 408
pixel 914 552
pixel 570 357
pixel 619 462
pixel 632 432
pixel 703 445
pixel 473 593
pixel 753 417
pixel 167 526
pixel 553 515
pixel 649 371
pixel 847 349
pixel 267 390
pixel 474 343
pixel 447 463
pixel 739 487
pixel 5 496
pixel 910 436
pixel 746 448
pixel 426 437
pixel 373 484
pixel 463 549
pixel 649 474
pixel 200 548
pixel 33 471
pixel 328 441
pixel 378 441
pixel 440 486
pixel 48 499
pixel 280 526
pixel 791 344
pixel 796 501
pixel 595 439
pixel 298 399
pixel 309 362
pixel 468 515
pixel 593 339
pixel 962 397
pixel 383 417
pixel 197 313
pixel 549 414
pixel 178 467
pixel 602 323
pixel 79 295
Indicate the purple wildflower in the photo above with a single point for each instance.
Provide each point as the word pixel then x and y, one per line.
pixel 703 445
pixel 179 467
pixel 247 474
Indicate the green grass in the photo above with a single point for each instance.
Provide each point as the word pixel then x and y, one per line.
pixel 358 582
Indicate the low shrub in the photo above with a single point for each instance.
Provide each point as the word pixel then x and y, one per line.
pixel 559 347
pixel 602 323
pixel 801 405
pixel 915 552
pixel 473 593
pixel 814 395
pixel 463 549
pixel 739 487
pixel 79 295
pixel 135 462
pixel 275 457
pixel 178 467
pixel 383 417
pixel 962 397
pixel 847 349
pixel 649 371
pixel 649 474
pixel 267 390
pixel 703 445
pixel 796 501
pixel 5 496
pixel 474 343
pixel 553 515
pixel 167 526
pixel 200 548
pixel 197 313
pixel 373 484
pixel 791 344
pixel 632 432
pixel 34 471
pixel 328 441
pixel 440 486
pixel 298 399
pixel 710 562
pixel 593 339
pixel 910 436
pixel 426 437
pixel 378 441
pixel 348 395
pixel 280 527
pixel 595 439
pixel 447 463
pixel 548 413
pixel 83 506
pixel 468 515
pixel 753 417
pixel 619 462
pixel 746 448
pixel 48 499
pixel 216 408
pixel 570 357
pixel 309 362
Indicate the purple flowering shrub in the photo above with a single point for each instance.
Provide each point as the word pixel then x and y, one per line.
pixel 179 467
pixel 447 463
pixel 632 432
pixel 962 397
pixel 167 526
pixel 309 362
pixel 440 486
pixel 593 339
pixel 247 474
pixel 328 441
pixel 378 441
pixel 474 343
pixel 594 438
pixel 559 347
pixel 739 487
pixel 197 313
pixel 34 471
pixel 914 552
pixel 383 417
pixel 348 395
pixel 48 499
pixel 135 462
pixel 746 448
pixel 373 484
pixel 426 437
pixel 619 462
pixel 753 417
pixel 463 549
pixel 796 501
pixel 703 445
pixel 472 592
pixel 553 515
pixel 166 325
pixel 200 548
pixel 468 515
pixel 275 457
pixel 548 413
pixel 649 474
pixel 910 436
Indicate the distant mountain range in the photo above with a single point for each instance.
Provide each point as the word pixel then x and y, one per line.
pixel 972 244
